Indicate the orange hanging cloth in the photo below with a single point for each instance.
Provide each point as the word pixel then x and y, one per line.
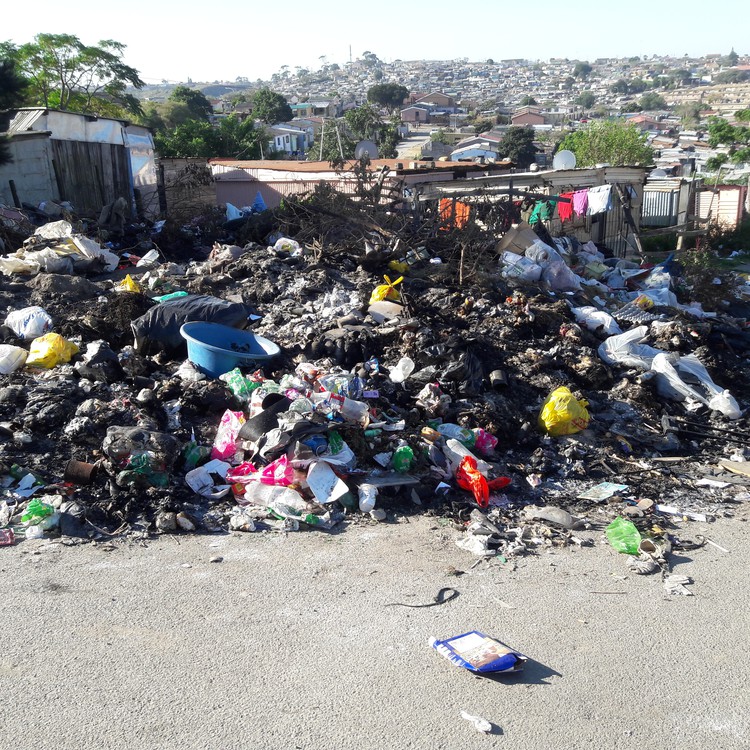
pixel 453 214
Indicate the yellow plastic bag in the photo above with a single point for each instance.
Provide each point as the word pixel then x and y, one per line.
pixel 398 266
pixel 563 414
pixel 128 285
pixel 386 291
pixel 50 350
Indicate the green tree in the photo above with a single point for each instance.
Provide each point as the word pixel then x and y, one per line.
pixel 620 87
pixel 736 137
pixel 652 100
pixel 151 117
pixel 390 95
pixel 528 101
pixel 636 86
pixel 582 70
pixel 440 137
pixel 12 90
pixel 66 74
pixel 690 113
pixel 732 76
pixel 336 147
pixel 483 124
pixel 240 138
pixel 731 59
pixel 232 138
pixel 192 138
pixel 270 107
pixel 518 146
pixel 743 115
pixel 714 163
pixel 680 77
pixel 364 123
pixel 585 99
pixel 370 59
pixel 195 101
pixel 609 142
pixel 722 133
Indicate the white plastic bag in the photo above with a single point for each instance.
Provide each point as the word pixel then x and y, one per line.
pixel 11 264
pixel 91 249
pixel 29 322
pixel 54 230
pixel 51 262
pixel 559 278
pixel 627 349
pixel 12 358
pixel 521 268
pixel 541 253
pixel 593 319
pixel 671 383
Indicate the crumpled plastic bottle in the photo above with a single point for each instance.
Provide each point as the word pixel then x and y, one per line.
pixel 456 432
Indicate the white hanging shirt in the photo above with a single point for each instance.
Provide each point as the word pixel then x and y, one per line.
pixel 600 199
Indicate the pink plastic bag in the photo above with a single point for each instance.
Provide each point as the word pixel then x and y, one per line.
pixel 225 443
pixel 279 472
pixel 484 442
pixel 242 474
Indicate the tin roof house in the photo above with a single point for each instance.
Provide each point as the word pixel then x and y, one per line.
pixel 87 160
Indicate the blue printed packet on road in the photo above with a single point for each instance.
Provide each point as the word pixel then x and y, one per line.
pixel 479 653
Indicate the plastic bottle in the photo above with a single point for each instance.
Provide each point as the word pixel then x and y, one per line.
pixel 368 494
pixel 457 432
pixel 355 411
pixel 403 457
pixel 455 452
pixel 624 536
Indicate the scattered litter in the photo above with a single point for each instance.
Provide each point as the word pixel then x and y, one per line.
pixel 480 724
pixel 673 511
pixel 602 491
pixel 675 584
pixel 516 398
pixel 478 652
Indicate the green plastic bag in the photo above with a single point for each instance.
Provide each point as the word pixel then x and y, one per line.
pixel 624 536
pixel 36 511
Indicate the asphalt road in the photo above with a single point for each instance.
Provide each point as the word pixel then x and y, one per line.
pixel 411 146
pixel 288 643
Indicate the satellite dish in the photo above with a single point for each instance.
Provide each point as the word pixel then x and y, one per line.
pixel 366 148
pixel 564 160
pixel 658 173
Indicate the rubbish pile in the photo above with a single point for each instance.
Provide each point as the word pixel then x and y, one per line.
pixel 527 391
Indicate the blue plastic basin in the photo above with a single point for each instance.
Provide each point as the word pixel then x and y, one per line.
pixel 215 349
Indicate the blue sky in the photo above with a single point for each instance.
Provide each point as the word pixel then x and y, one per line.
pixel 224 39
